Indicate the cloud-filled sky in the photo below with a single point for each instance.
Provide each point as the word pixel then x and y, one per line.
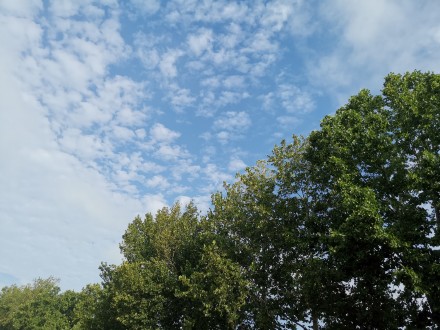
pixel 109 109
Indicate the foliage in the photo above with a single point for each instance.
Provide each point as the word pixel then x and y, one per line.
pixel 173 276
pixel 367 163
pixel 92 310
pixel 338 228
pixel 35 306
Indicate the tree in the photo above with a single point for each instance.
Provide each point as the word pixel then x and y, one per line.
pixel 368 164
pixel 264 223
pixel 93 311
pixel 415 119
pixel 243 223
pixel 339 228
pixel 33 306
pixel 173 276
pixel 215 292
pixel 67 302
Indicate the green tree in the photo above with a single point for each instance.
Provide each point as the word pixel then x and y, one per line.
pixel 215 292
pixel 173 276
pixel 243 222
pixel 414 100
pixel 338 229
pixel 33 306
pixel 368 164
pixel 93 311
pixel 67 302
pixel 267 221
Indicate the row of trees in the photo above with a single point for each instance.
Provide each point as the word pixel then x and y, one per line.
pixel 339 230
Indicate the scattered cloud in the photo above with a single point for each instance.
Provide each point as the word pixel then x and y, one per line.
pixel 234 81
pixel 295 100
pixel 145 7
pixel 171 152
pixel 180 97
pixel 233 121
pixel 168 61
pixel 159 182
pixel 111 109
pixel 160 133
pixel 375 38
pixel 236 165
pixel 200 42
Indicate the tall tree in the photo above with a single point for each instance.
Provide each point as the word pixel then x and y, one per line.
pixel 368 165
pixel 264 222
pixel 174 276
pixel 414 103
pixel 339 229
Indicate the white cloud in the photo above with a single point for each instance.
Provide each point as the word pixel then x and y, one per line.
pixel 231 125
pixel 183 200
pixel 171 153
pixel 85 147
pixel 160 133
pixel 122 133
pixel 233 82
pixel 233 121
pixel 65 8
pixel 146 49
pixel 216 177
pixel 236 164
pixel 268 101
pixel 212 82
pixel 158 181
pixel 128 116
pixel 140 133
pixel 154 202
pixel 185 168
pixel 202 202
pixel 167 63
pixel 146 7
pixel 180 97
pixel 295 100
pixel 262 42
pixel 61 211
pixel 228 97
pixel 209 11
pixel 224 137
pixel 19 8
pixel 277 14
pixel 54 208
pixel 288 121
pixel 200 42
pixel 374 38
pixel 233 37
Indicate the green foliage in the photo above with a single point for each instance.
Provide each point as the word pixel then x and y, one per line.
pixel 216 291
pixel 368 163
pixel 337 227
pixel 92 310
pixel 34 306
pixel 174 276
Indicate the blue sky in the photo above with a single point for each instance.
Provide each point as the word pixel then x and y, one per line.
pixel 109 109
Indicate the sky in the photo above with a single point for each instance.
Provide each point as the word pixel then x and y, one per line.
pixel 110 109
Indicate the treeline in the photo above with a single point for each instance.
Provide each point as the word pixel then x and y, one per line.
pixel 339 230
